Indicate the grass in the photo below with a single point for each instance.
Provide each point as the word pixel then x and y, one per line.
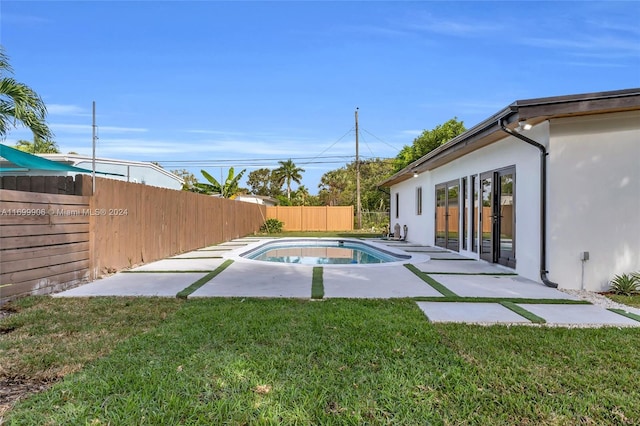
pixel 202 281
pixel 433 283
pixel 279 361
pixel 317 283
pixel 625 300
pixel 523 312
pixel 624 313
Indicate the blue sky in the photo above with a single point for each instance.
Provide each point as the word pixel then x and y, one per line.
pixel 210 84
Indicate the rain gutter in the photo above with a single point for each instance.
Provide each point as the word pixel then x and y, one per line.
pixel 543 201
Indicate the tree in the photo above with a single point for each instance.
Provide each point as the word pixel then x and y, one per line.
pixel 264 182
pixel 38 146
pixel 229 189
pixel 19 104
pixel 187 177
pixel 301 196
pixel 288 172
pixel 428 141
pixel 338 187
pixel 332 184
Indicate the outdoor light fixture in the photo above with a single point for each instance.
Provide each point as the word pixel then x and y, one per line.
pixel 523 125
pixel 415 174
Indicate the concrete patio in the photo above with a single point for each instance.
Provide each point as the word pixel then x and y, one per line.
pixel 460 276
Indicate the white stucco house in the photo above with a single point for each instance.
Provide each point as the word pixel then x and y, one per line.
pixel 547 187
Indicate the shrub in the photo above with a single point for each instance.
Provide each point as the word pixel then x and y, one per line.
pixel 272 226
pixel 626 284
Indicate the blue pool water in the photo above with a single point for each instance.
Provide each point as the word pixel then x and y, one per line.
pixel 322 252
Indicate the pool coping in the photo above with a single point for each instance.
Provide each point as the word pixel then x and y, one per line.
pixel 237 254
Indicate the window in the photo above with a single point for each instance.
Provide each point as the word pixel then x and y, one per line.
pixel 419 200
pixel 474 221
pixel 397 205
pixel 465 212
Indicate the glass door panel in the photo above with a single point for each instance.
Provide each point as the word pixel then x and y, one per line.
pixel 453 216
pixel 441 218
pixel 506 222
pixel 486 217
pixel 475 220
pixel 464 198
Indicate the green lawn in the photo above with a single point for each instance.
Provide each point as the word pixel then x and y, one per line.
pixel 626 300
pixel 331 362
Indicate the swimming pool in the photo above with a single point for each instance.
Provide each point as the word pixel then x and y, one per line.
pixel 322 252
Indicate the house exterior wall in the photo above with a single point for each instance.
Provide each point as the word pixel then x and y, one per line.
pixel 134 172
pixel 594 199
pixel 508 152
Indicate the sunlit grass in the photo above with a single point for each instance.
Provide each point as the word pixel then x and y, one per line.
pixel 336 362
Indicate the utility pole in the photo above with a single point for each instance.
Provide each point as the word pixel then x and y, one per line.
pixel 358 205
pixel 93 158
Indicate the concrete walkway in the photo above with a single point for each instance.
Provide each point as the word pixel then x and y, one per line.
pixel 446 275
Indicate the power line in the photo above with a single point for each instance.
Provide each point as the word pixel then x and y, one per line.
pixel 387 144
pixel 231 160
pixel 331 146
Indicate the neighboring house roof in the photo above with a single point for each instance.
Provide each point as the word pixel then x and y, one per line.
pixel 77 158
pixel 531 111
pixel 27 162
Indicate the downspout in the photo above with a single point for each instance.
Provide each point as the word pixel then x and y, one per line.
pixel 543 202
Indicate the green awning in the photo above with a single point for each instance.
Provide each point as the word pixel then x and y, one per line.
pixel 29 162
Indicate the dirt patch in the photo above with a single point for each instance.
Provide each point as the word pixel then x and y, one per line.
pixel 7 310
pixel 14 389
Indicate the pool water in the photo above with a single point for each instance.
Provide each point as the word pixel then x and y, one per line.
pixel 321 252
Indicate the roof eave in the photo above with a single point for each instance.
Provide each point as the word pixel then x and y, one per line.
pixel 531 110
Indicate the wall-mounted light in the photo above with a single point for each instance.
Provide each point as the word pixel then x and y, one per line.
pixel 415 174
pixel 523 125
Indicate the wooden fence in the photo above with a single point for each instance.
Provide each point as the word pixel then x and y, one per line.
pixel 49 242
pixel 506 225
pixel 137 224
pixel 44 242
pixel 306 218
pixel 46 184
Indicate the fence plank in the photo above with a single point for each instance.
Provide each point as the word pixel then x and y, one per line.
pixel 42 240
pixel 48 272
pixel 45 285
pixel 46 261
pixel 313 218
pixel 17 254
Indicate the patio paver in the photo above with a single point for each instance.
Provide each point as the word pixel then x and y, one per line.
pixel 579 314
pixel 374 282
pixel 461 267
pixel 492 313
pixel 498 286
pixel 143 284
pixel 245 279
pixel 199 254
pixel 180 264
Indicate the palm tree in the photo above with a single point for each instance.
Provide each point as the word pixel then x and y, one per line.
pixel 301 195
pixel 288 172
pixel 333 183
pixel 19 104
pixel 38 146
